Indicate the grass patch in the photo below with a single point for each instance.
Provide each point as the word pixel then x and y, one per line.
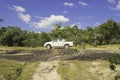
pixel 73 70
pixel 84 70
pixel 14 70
pixel 20 48
pixel 104 46
pixel 110 46
pixel 9 69
pixel 28 71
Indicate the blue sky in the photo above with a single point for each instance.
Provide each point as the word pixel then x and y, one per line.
pixel 41 15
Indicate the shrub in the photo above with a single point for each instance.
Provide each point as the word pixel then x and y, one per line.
pixel 115 59
pixel 112 67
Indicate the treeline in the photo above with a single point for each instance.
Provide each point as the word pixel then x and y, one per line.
pixel 107 33
pixel 14 36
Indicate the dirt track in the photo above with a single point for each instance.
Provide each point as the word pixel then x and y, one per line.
pixel 53 54
pixel 47 71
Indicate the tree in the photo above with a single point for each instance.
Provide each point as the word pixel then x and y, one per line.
pixel 109 32
pixel 43 37
pixel 10 36
pixel 89 35
pixel 57 33
pixel 75 34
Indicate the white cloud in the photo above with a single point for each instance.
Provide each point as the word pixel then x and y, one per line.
pixel 97 24
pixel 43 23
pixel 111 1
pixel 82 3
pixel 18 8
pixel 20 11
pixel 38 17
pixel 25 17
pixel 50 21
pixel 117 7
pixel 69 4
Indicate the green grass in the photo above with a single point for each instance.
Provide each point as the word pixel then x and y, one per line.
pixel 102 47
pixel 28 71
pixel 73 70
pixel 84 70
pixel 110 46
pixel 20 48
pixel 9 69
pixel 105 46
pixel 14 70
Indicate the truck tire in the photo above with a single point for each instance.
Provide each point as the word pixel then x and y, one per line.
pixel 48 46
pixel 66 46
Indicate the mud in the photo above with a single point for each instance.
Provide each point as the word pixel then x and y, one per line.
pixel 93 55
pixel 53 54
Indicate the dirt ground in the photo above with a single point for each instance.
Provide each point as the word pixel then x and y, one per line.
pixel 49 59
pixel 47 71
pixel 55 54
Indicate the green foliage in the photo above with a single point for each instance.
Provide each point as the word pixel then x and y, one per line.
pixel 28 71
pixel 14 36
pixel 9 36
pixel 112 67
pixel 109 32
pixel 115 59
pixel 9 70
pixel 14 70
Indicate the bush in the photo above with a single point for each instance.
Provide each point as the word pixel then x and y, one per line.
pixel 115 59
pixel 112 67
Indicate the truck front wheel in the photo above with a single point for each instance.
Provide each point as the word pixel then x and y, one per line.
pixel 66 46
pixel 48 46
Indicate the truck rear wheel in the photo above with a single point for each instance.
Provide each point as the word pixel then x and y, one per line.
pixel 66 46
pixel 48 46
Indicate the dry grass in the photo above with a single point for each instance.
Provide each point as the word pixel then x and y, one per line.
pixel 9 69
pixel 28 71
pixel 21 48
pixel 86 70
pixel 14 70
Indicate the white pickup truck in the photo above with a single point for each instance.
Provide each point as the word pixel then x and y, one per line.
pixel 58 43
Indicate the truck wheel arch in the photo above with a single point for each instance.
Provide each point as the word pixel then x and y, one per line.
pixel 48 46
pixel 66 46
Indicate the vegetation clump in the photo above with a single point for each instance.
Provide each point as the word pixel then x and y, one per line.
pixel 9 69
pixel 115 59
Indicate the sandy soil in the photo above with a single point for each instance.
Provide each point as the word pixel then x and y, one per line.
pixel 47 71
